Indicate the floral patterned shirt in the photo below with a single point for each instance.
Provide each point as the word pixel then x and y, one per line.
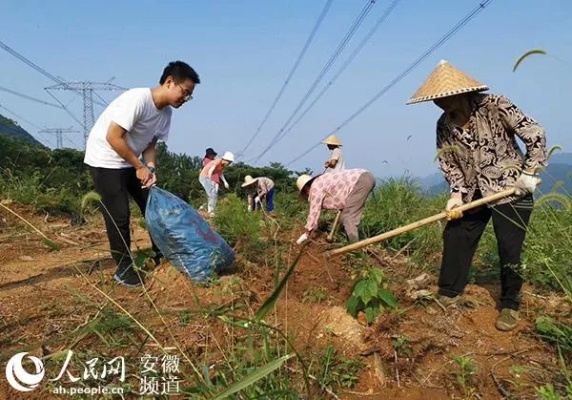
pixel 485 156
pixel 330 192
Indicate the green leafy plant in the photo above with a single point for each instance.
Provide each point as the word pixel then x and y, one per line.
pixel 401 346
pixel 371 295
pixel 464 372
pixel 316 295
pixel 555 332
pixel 547 392
pixel 338 370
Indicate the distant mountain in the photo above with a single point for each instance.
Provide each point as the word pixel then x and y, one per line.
pixel 10 128
pixel 559 169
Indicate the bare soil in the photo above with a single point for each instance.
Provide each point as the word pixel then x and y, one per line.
pixel 47 297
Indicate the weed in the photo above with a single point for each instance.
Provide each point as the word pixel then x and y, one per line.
pixel 464 372
pixel 316 295
pixel 401 346
pixel 556 333
pixel 370 294
pixel 547 392
pixel 240 227
pixel 338 370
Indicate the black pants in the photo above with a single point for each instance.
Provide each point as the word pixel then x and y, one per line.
pixel 115 186
pixel 460 240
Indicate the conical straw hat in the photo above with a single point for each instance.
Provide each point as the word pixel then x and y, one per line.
pixel 304 180
pixel 444 81
pixel 333 140
pixel 248 180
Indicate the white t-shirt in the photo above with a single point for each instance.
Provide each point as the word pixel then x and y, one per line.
pixel 134 111
pixel 337 155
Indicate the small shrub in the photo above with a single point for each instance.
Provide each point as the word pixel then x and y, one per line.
pixel 464 373
pixel 370 295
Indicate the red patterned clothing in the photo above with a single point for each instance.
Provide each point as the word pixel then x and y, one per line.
pixel 330 192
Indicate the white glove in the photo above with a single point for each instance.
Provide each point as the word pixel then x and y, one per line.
pixel 302 238
pixel 256 200
pixel 526 184
pixel 226 185
pixel 452 203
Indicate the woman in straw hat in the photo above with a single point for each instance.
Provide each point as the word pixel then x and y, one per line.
pixel 479 156
pixel 339 190
pixel 264 190
pixel 336 161
pixel 210 178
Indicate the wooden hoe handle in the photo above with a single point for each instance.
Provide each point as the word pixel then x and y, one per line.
pixel 420 223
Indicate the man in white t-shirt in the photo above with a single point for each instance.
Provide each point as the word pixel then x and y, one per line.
pixel 336 161
pixel 121 153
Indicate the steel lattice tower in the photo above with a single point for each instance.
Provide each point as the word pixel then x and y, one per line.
pixel 86 89
pixel 59 134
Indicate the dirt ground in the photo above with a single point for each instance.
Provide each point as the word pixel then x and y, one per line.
pixel 48 297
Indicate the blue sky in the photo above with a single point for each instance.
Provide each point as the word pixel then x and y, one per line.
pixel 243 51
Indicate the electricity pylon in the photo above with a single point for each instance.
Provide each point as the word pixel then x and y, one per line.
pixel 59 134
pixel 86 89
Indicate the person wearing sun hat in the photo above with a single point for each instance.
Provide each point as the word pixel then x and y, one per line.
pixel 264 190
pixel 336 161
pixel 339 190
pixel 214 170
pixel 479 156
pixel 210 155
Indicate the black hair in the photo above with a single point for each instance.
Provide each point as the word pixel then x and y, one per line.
pixel 180 72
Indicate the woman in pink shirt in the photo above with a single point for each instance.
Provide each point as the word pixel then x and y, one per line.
pixel 210 177
pixel 210 155
pixel 339 190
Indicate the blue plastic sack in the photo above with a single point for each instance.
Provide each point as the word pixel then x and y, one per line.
pixel 184 237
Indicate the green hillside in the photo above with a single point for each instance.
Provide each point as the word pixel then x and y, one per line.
pixel 10 128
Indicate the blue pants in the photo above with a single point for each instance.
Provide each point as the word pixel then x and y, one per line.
pixel 270 200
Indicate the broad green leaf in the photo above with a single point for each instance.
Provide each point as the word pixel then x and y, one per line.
pixel 254 376
pixel 372 288
pixel 362 292
pixel 387 297
pixel 352 305
pixel 140 259
pixel 370 314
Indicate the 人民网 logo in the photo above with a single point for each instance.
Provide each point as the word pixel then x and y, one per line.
pixel 19 378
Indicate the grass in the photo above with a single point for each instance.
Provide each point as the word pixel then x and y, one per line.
pixel 246 351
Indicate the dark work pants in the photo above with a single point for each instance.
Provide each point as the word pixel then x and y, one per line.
pixel 115 186
pixel 460 240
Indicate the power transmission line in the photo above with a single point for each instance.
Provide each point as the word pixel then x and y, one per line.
pixel 44 139
pixel 290 74
pixel 87 89
pixel 359 20
pixel 348 61
pixel 465 20
pixel 38 68
pixel 5 89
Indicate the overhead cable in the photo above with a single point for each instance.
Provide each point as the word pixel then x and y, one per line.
pixel 458 26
